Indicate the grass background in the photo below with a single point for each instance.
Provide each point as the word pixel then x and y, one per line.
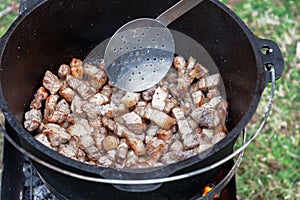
pixel 271 165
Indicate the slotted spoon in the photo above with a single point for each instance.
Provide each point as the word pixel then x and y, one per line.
pixel 141 52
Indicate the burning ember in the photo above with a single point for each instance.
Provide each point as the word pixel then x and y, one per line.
pixel 207 189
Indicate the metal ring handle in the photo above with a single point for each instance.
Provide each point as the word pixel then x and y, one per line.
pixel 159 180
pixel 210 195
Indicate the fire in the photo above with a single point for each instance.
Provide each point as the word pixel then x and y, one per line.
pixel 207 189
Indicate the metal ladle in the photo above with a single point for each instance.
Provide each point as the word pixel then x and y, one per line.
pixel 141 52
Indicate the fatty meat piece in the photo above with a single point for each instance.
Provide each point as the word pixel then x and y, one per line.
pixel 56 134
pixel 33 120
pixel 50 105
pixel 39 96
pixel 76 68
pixel 122 151
pixel 51 82
pixel 110 142
pixel 63 71
pixel 87 144
pixel 206 117
pixel 155 149
pixel 42 138
pixel 98 80
pixel 133 122
pixel 159 99
pixel 183 125
pixel 160 118
pixel 67 93
pixel 80 128
pixel 130 99
pixel 180 64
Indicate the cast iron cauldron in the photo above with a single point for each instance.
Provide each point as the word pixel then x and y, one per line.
pixel 54 31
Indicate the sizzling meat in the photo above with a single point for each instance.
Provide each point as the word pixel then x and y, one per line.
pixel 80 114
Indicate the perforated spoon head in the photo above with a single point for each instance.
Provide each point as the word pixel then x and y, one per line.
pixel 139 55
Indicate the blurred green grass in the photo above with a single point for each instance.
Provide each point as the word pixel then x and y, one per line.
pixel 6 19
pixel 271 165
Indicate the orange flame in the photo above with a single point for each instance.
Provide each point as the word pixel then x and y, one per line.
pixel 206 190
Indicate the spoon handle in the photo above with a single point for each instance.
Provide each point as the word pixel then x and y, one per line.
pixel 177 10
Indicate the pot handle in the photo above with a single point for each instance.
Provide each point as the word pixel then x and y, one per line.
pixel 271 56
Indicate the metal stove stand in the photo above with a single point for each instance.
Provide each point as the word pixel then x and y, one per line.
pixel 20 180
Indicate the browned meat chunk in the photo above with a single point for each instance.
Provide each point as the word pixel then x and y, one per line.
pixel 206 117
pixel 87 119
pixel 76 68
pixel 51 82
pixel 160 118
pixel 39 96
pixel 56 134
pixel 133 122
pixel 155 149
pixel 110 142
pixel 130 99
pixel 33 120
pixel 80 128
pixel 63 71
pixel 68 94
pixel 98 80
pixel 42 138
pixel 159 99
pixel 180 64
pixel 122 151
pixel 87 144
